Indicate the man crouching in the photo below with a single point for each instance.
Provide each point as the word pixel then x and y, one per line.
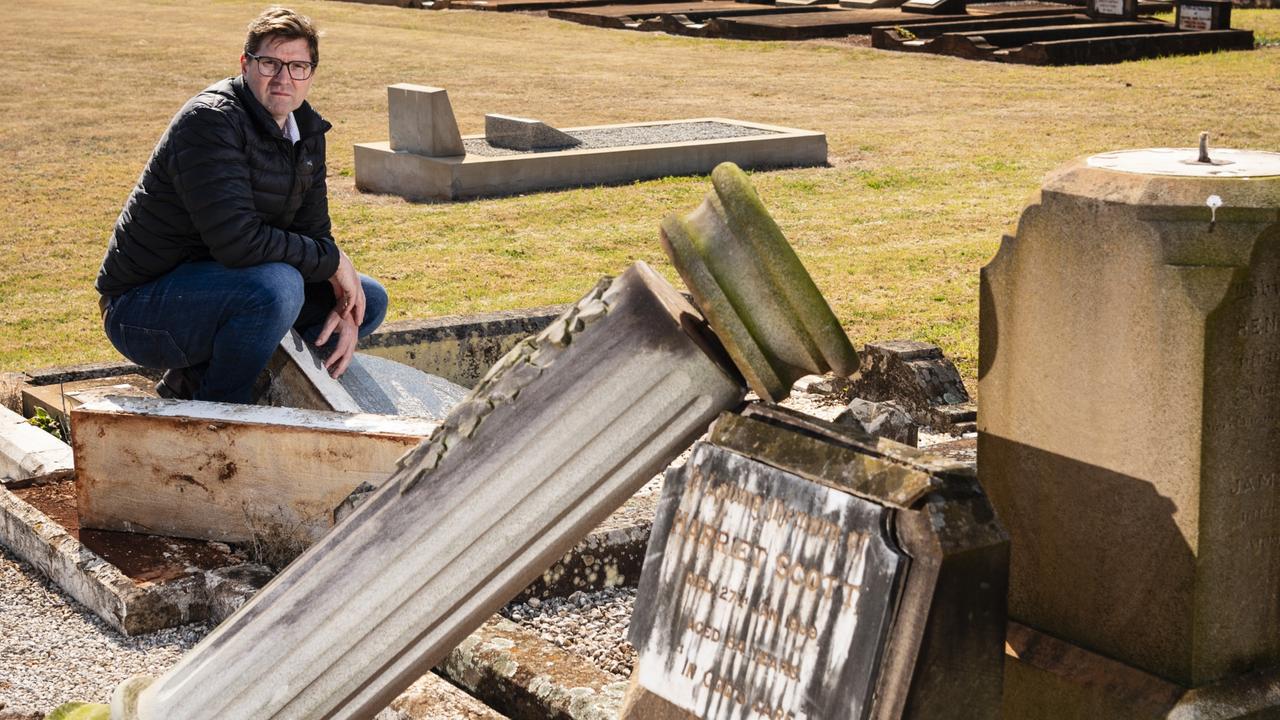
pixel 225 243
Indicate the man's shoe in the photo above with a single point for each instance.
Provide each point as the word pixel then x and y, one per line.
pixel 177 384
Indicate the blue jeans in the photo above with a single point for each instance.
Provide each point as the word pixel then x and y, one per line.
pixel 222 324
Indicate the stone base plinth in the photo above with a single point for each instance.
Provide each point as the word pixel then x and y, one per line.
pixel 1049 679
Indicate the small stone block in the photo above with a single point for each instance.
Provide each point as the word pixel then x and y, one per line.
pixel 422 122
pixel 516 133
pixel 915 375
pixel 886 420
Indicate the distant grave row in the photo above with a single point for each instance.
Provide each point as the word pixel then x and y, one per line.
pixel 1072 32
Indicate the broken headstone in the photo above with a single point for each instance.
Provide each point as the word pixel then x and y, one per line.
pixel 559 433
pixel 916 376
pixel 755 293
pixel 884 419
pixel 797 571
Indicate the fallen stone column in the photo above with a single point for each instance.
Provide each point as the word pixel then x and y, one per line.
pixel 559 433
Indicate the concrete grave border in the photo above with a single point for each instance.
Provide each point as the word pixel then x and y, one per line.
pixel 379 169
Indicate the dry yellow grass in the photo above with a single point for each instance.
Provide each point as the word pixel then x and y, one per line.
pixel 931 158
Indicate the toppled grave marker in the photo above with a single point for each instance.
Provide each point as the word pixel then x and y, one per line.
pixel 800 571
pixel 606 154
pixel 756 294
pixel 516 133
pixel 142 583
pixel 1128 355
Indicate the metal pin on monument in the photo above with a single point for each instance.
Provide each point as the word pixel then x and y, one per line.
pixel 1214 202
pixel 1204 149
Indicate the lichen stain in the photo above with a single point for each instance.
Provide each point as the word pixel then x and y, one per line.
pixel 228 471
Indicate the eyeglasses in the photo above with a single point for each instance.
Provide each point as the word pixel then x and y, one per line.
pixel 271 67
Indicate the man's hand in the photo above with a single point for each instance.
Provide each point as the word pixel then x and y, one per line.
pixel 347 290
pixel 348 334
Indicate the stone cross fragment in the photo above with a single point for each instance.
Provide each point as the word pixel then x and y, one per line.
pixel 754 291
pixel 561 431
pixel 1129 430
pixel 517 133
pixel 422 122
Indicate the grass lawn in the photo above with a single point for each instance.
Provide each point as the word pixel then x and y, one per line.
pixel 932 158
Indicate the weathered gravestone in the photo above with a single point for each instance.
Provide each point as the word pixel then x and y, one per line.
pixel 1129 430
pixel 801 570
pixel 421 121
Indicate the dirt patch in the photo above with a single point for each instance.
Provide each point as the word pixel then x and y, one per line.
pixel 144 558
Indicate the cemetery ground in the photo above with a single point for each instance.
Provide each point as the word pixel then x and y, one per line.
pixel 931 158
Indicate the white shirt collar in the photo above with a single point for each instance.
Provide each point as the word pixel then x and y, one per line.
pixel 291 129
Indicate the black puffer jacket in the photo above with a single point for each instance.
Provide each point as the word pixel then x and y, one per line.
pixel 225 184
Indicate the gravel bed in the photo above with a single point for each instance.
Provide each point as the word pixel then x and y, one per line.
pixel 590 624
pixel 629 135
pixel 55 651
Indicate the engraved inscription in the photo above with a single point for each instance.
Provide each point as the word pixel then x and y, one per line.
pixel 774 595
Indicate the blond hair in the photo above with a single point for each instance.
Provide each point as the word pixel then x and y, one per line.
pixel 283 23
